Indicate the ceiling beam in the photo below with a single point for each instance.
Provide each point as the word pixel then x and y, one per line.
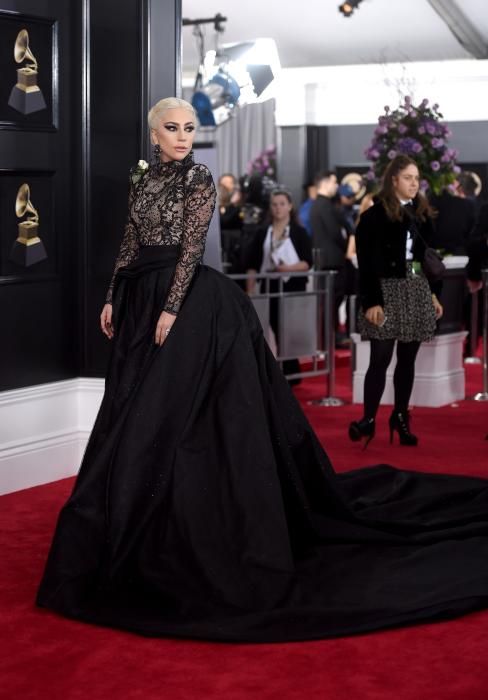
pixel 461 27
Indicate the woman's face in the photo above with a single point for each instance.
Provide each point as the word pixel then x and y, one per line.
pixel 174 134
pixel 280 208
pixel 406 184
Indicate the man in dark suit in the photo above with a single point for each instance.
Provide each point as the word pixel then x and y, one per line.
pixel 329 238
pixel 478 250
pixel 478 255
pixel 456 215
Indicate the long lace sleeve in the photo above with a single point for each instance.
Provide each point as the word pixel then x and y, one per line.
pixel 129 247
pixel 200 198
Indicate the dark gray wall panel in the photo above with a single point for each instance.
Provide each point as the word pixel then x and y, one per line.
pixel 114 60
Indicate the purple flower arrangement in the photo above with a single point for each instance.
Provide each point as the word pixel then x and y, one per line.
pixel 264 164
pixel 418 132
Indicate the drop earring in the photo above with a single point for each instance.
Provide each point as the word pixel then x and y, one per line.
pixel 156 155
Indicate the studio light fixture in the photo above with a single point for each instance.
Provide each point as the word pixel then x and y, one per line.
pixel 231 75
pixel 347 8
pixel 236 75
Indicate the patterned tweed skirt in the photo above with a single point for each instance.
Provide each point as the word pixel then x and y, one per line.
pixel 409 311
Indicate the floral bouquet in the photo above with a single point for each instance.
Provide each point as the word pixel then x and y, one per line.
pixel 416 131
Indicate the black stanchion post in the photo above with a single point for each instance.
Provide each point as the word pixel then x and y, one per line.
pixel 329 345
pixel 483 395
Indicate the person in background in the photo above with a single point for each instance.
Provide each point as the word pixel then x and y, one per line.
pixel 366 202
pixel 478 250
pixel 230 229
pixel 398 304
pixel 456 216
pixel 330 240
pixel 466 185
pixel 281 245
pixel 310 190
pixel 252 211
pixel 465 194
pixel 478 255
pixel 229 182
pixel 345 201
pixel 347 207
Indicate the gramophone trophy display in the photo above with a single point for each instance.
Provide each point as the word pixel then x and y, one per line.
pixel 28 249
pixel 26 95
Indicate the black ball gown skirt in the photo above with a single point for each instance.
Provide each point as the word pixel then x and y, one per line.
pixel 205 506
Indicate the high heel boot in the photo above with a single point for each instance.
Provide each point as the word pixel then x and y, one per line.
pixel 362 428
pixel 400 421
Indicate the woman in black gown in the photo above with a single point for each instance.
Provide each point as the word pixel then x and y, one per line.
pixel 205 506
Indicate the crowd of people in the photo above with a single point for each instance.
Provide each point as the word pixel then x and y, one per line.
pixel 375 241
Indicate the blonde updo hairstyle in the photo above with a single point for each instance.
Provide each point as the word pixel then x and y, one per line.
pixel 156 112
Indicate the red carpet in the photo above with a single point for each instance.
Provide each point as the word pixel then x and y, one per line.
pixel 45 656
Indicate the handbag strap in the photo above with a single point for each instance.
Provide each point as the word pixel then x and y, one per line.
pixel 410 212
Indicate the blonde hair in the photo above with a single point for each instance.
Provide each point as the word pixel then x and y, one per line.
pixel 157 110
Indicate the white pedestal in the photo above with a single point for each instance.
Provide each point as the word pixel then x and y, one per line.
pixel 439 371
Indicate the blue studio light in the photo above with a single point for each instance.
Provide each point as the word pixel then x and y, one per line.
pixel 215 101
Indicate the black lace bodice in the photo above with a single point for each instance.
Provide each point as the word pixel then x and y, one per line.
pixel 171 204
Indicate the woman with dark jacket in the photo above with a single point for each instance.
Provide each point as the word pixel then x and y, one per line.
pixel 397 302
pixel 280 246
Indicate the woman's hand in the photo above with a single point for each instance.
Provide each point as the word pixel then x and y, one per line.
pixel 437 307
pixel 106 321
pixel 163 327
pixel 251 281
pixel 375 315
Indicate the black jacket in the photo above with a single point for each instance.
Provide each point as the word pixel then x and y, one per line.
pixel 381 250
pixel 453 224
pixel 478 246
pixel 326 224
pixel 301 242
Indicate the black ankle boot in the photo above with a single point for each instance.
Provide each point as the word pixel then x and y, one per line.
pixel 399 421
pixel 362 428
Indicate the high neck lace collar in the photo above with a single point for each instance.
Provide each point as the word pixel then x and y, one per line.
pixel 163 167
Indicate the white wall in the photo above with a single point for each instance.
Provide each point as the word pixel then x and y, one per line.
pixel 357 94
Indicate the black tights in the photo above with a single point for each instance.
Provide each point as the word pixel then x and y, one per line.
pixel 374 382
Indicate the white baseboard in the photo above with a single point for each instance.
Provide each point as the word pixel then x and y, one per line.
pixel 44 430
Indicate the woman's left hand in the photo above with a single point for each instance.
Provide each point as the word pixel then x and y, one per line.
pixel 437 307
pixel 163 327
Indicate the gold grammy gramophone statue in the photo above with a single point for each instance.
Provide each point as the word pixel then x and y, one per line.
pixel 28 249
pixel 26 95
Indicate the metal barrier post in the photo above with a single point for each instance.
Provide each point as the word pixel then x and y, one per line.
pixel 352 318
pixel 329 344
pixel 483 395
pixel 473 332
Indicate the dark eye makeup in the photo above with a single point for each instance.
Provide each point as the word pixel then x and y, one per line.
pixel 173 127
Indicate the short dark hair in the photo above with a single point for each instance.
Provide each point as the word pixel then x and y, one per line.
pixel 467 183
pixel 324 175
